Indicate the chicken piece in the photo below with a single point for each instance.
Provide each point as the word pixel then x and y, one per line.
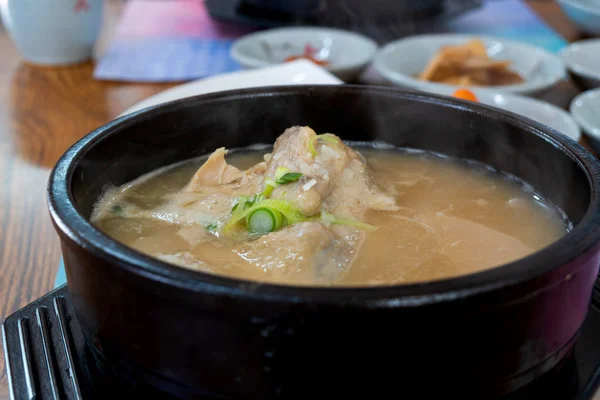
pixel 320 174
pixel 209 196
pixel 355 192
pixel 308 251
pixel 209 207
pixel 192 208
pixel 258 169
pixel 216 172
pixel 291 151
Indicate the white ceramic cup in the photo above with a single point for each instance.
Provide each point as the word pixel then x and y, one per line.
pixel 53 32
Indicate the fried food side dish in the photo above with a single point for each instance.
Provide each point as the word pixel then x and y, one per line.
pixel 469 65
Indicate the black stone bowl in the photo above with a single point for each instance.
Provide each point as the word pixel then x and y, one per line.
pixel 186 334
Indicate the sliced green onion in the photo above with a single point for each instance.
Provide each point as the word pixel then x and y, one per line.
pixel 268 190
pixel 264 220
pixel 117 209
pixel 269 186
pixel 290 212
pixel 244 204
pixel 283 175
pixel 311 146
pixel 326 137
pixel 289 177
pixel 332 219
pixel 257 198
pixel 270 182
pixel 329 138
pixel 240 203
pixel 281 171
pixel 212 227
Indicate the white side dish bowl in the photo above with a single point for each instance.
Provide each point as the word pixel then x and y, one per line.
pixel 401 61
pixel 347 53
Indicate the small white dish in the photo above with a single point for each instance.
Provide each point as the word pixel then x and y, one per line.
pixel 300 72
pixel 537 110
pixel 400 62
pixel 583 60
pixel 583 13
pixel 586 111
pixel 346 52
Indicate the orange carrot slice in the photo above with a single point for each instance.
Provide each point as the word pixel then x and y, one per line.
pixel 465 94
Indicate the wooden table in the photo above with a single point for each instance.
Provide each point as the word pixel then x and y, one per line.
pixel 42 112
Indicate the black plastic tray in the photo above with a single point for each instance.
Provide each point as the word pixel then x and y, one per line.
pixel 47 359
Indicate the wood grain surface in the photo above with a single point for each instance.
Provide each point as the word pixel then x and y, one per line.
pixel 42 112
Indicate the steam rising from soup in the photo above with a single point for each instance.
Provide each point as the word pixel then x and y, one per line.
pixel 317 212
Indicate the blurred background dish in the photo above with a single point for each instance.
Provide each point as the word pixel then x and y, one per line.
pixel 585 108
pixel 583 61
pixel 537 110
pixel 381 20
pixel 583 13
pixel 469 64
pixel 343 53
pixel 402 61
pixel 299 72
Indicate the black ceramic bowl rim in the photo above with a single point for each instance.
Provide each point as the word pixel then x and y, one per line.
pixel 77 228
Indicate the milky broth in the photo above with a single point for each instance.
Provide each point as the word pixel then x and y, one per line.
pixel 454 218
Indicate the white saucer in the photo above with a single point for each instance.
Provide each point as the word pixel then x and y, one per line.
pixel 586 110
pixel 348 53
pixel 301 72
pixel 537 110
pixel 583 60
pixel 399 62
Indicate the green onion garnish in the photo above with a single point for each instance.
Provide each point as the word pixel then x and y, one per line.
pixel 326 137
pixel 290 212
pixel 116 209
pixel 289 177
pixel 240 203
pixel 269 186
pixel 311 146
pixel 329 138
pixel 264 220
pixel 212 227
pixel 283 175
pixel 263 215
pixel 281 171
pixel 332 219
